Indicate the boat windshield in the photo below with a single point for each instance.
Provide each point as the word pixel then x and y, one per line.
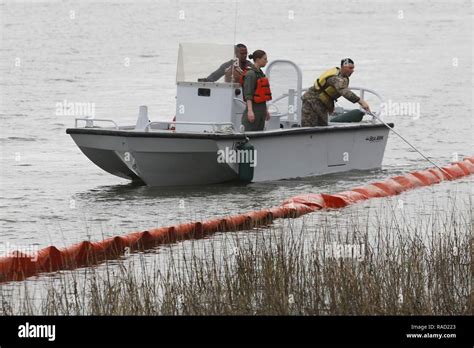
pixel 197 61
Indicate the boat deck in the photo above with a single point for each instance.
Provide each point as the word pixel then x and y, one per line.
pixel 154 133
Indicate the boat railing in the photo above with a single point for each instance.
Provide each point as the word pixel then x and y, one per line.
pixel 293 115
pixel 216 126
pixel 294 104
pixel 90 121
pixel 362 93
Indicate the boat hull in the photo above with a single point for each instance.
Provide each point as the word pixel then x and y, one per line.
pixel 171 159
pixel 311 154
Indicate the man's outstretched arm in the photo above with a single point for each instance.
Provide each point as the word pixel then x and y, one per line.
pixel 342 87
pixel 216 75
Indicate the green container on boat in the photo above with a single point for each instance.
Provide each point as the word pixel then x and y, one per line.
pixel 350 116
pixel 247 162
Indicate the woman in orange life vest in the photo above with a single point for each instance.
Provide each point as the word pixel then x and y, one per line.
pixel 256 93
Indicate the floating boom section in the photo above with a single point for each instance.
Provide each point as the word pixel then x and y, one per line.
pixel 18 266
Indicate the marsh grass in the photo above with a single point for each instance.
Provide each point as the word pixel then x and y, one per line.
pixel 417 266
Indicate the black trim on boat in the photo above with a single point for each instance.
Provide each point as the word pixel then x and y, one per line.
pixel 215 136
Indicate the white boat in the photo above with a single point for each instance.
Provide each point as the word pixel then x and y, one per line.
pixel 204 144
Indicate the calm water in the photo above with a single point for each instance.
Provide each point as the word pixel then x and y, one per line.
pixel 52 194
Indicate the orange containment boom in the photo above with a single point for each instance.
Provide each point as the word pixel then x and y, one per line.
pixel 18 266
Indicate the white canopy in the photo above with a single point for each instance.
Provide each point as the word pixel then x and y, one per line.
pixel 199 60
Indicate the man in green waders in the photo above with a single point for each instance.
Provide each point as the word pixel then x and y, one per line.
pixel 318 101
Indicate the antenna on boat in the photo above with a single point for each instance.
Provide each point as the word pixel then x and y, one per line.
pixel 235 38
pixel 235 20
pixel 406 141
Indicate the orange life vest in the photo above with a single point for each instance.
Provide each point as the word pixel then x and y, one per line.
pixel 262 92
